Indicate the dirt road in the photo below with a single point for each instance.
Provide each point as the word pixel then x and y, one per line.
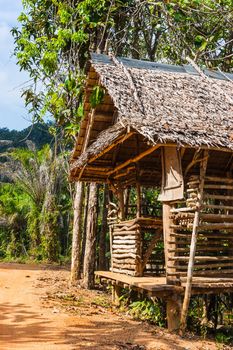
pixel 30 318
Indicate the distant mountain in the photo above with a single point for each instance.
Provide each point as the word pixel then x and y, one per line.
pixel 37 133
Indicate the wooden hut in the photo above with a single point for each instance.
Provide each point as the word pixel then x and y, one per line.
pixel 170 129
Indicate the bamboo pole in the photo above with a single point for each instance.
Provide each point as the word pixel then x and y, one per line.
pixel 188 288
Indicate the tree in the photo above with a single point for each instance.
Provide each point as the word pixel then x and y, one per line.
pixel 40 176
pixel 103 230
pixel 77 234
pixel 89 258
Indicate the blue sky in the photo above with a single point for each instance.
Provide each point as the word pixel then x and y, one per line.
pixel 13 114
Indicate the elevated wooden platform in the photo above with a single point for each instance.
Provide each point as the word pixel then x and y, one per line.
pixel 156 286
pixel 153 286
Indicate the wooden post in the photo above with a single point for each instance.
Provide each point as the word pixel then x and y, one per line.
pixel 116 294
pixel 172 189
pixel 77 234
pixel 90 251
pixel 111 228
pixel 138 187
pixel 121 203
pixel 103 231
pixel 188 288
pixel 169 242
pixel 173 306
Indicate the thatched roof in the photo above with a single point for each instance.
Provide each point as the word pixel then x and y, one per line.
pixel 105 138
pixel 165 104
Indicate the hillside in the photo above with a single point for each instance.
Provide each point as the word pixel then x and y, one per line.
pixel 38 134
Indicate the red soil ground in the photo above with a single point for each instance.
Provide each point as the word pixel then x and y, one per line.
pixel 39 311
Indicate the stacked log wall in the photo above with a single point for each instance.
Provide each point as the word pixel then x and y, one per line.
pixel 126 248
pixel 214 253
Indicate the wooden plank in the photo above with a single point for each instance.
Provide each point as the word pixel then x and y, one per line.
pixel 124 233
pixel 221 272
pixel 217 226
pixel 125 238
pixel 124 255
pixel 126 261
pixel 125 271
pixel 124 250
pixel 219 179
pixel 200 243
pixel 125 241
pixel 172 177
pixel 202 258
pixel 153 284
pixel 211 226
pixel 202 266
pixel 200 249
pixel 128 247
pixel 123 266
pixel 218 187
pixel 216 217
pixel 217 196
pixel 205 235
pixel 182 210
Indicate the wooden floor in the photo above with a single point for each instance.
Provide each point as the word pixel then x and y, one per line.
pixel 156 286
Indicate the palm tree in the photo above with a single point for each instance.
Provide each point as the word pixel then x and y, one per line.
pixel 41 175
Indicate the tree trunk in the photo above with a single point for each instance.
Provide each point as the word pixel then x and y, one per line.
pixel 77 234
pixel 50 216
pixel 89 258
pixel 85 224
pixel 103 232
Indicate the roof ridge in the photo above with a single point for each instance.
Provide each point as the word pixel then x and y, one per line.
pixel 166 67
pixel 131 83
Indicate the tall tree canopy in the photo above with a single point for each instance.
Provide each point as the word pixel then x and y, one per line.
pixel 55 38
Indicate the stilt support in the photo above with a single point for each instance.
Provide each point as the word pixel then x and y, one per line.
pixel 174 306
pixel 116 294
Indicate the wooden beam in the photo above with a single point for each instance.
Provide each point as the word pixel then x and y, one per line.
pixel 134 159
pixel 121 139
pixel 218 196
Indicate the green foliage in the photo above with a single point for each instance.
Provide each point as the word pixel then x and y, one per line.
pixel 148 310
pixel 14 205
pixel 35 204
pixel 223 338
pixel 37 133
pixel 97 96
